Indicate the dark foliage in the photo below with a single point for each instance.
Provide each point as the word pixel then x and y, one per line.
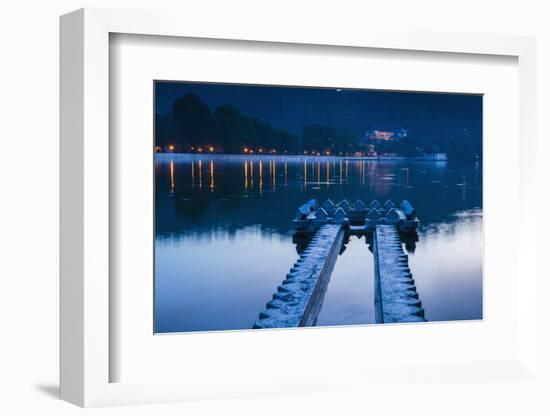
pixel 191 125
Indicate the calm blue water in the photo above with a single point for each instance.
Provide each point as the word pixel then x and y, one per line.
pixel 224 238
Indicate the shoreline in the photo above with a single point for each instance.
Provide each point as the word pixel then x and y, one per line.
pixel 299 158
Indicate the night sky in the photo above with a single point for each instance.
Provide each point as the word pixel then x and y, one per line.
pixel 292 108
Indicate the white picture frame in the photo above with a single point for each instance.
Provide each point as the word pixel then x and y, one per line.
pixel 85 211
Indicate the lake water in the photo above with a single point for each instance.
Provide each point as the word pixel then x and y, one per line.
pixel 224 237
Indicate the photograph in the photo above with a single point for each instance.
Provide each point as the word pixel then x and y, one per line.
pixel 279 206
pixel 258 208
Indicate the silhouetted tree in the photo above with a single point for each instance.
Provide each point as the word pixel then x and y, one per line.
pixel 194 124
pixel 233 129
pixel 323 138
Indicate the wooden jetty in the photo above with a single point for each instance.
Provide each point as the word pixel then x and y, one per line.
pixel 298 300
pixel 395 296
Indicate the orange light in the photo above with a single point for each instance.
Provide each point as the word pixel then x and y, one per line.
pixel 211 148
pixel 171 147
pixel 245 149
pixel 200 149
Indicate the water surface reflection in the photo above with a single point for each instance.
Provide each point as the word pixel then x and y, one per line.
pixel 224 237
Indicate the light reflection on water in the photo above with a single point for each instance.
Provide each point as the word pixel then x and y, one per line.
pixel 447 267
pixel 224 237
pixel 201 284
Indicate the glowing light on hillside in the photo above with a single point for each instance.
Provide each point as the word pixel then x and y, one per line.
pixel 171 147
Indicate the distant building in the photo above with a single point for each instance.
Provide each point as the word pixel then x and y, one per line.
pixel 385 133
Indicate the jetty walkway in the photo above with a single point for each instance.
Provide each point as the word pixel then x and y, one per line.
pixel 298 300
pixel 395 296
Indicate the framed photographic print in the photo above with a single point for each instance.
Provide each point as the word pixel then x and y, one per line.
pixel 281 213
pixel 274 206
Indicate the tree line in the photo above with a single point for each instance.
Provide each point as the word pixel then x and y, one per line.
pixel 191 125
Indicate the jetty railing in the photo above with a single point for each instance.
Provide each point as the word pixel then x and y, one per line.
pixel 309 216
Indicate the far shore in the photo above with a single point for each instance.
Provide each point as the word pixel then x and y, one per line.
pixel 195 156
